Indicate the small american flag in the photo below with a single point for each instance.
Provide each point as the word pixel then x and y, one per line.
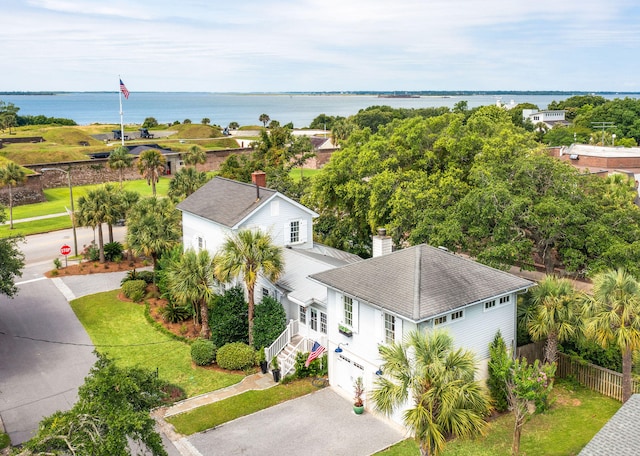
pixel 123 89
pixel 316 351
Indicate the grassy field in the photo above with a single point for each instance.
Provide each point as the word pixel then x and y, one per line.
pixel 121 330
pixel 576 416
pixel 212 415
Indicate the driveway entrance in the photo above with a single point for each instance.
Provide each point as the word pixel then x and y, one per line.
pixel 321 423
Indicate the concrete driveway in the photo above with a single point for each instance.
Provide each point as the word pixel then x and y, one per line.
pixel 322 423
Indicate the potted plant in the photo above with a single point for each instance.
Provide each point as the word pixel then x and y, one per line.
pixel 262 360
pixel 275 369
pixel 358 405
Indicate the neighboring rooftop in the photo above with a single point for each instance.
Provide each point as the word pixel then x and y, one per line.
pixel 620 436
pixel 421 282
pixel 225 201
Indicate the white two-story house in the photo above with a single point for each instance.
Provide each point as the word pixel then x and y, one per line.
pixel 379 300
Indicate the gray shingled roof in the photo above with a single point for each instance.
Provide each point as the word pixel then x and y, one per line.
pixel 225 201
pixel 620 436
pixel 421 282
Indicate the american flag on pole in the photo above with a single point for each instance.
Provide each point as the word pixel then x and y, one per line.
pixel 316 351
pixel 124 90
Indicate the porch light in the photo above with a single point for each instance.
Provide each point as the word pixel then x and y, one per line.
pixel 338 349
pixel 379 371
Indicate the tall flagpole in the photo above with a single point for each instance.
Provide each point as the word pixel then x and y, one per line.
pixel 121 113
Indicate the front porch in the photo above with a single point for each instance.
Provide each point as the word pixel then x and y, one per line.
pixel 294 339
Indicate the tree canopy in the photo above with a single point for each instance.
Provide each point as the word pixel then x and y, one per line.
pixel 11 261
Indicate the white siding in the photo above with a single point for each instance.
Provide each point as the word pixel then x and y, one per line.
pixel 193 227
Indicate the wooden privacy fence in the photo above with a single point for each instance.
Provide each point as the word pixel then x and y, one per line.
pixel 604 381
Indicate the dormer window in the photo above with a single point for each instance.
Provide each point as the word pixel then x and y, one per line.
pixel 294 231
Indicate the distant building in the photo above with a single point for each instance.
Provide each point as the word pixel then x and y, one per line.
pixel 549 118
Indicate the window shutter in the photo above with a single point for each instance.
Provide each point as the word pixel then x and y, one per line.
pixel 194 242
pixel 356 315
pixel 303 230
pixel 287 233
pixel 398 334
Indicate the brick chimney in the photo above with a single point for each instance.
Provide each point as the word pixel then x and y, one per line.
pixel 382 244
pixel 259 178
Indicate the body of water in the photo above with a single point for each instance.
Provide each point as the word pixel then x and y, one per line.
pixel 104 107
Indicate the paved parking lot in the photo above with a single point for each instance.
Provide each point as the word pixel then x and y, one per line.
pixel 322 423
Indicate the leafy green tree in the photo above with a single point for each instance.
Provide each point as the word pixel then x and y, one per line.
pixel 498 367
pixel 120 159
pixel 93 210
pixel 324 122
pixel 151 166
pixel 234 125
pixel 150 122
pixel 194 156
pixel 248 254
pixel 528 389
pixel 8 115
pixel 264 118
pixel 191 281
pixel 612 317
pixel 12 175
pixel 11 261
pixel 185 182
pixel 205 121
pixel 553 315
pixel 229 317
pixel 112 410
pixel 437 381
pixel 269 322
pixel 153 227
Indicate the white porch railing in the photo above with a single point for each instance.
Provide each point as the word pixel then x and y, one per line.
pixel 282 341
pixel 288 363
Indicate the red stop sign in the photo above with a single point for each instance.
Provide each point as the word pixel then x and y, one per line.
pixel 65 250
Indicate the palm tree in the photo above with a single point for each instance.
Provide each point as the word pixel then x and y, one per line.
pixel 153 227
pixel 93 212
pixel 553 314
pixel 264 118
pixel 12 175
pixel 249 253
pixel 120 159
pixel 190 280
pixel 185 182
pixel 612 317
pixel 438 380
pixel 151 165
pixel 194 156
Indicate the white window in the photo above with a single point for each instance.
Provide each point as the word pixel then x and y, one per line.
pixel 323 323
pixel 389 328
pixel 313 320
pixel 504 300
pixel 490 305
pixel 440 320
pixel 348 310
pixel 275 208
pixel 457 315
pixel 265 292
pixel 295 231
pixel 302 314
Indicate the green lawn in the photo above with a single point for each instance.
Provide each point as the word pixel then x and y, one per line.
pixel 576 416
pixel 209 416
pixel 121 330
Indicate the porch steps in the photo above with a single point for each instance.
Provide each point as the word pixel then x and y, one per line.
pixel 288 353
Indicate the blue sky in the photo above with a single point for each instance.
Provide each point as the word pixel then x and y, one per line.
pixel 320 45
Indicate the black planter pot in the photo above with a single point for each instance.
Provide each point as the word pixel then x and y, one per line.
pixel 264 367
pixel 276 375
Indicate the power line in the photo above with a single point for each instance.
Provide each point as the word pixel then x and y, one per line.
pixel 84 345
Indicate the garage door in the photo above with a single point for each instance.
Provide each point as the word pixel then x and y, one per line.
pixel 348 370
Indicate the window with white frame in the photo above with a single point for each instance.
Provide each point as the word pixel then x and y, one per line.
pixel 348 310
pixel 457 315
pixel 504 299
pixel 294 232
pixel 389 328
pixel 323 323
pixel 265 292
pixel 440 320
pixel 490 305
pixel 302 314
pixel 313 319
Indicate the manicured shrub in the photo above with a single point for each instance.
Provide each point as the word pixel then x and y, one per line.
pixel 228 318
pixel 203 352
pixel 174 313
pixel 235 356
pixel 113 250
pixel 134 289
pixel 317 368
pixel 269 321
pixel 91 252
